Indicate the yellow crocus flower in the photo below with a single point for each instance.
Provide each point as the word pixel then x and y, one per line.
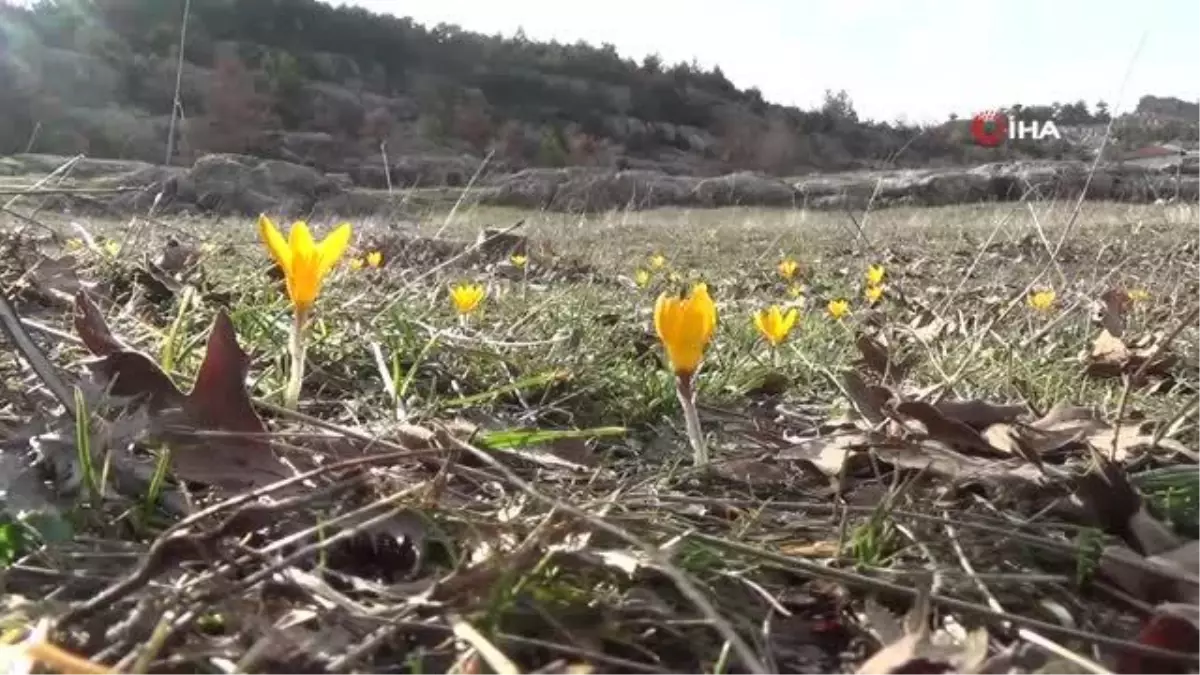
pixel 466 297
pixel 838 308
pixel 775 324
pixel 1042 301
pixel 685 325
pixel 305 263
pixel 374 259
pixel 875 275
pixel 518 260
pixel 873 294
pixel 788 268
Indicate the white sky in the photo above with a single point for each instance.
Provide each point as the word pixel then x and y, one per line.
pixel 920 59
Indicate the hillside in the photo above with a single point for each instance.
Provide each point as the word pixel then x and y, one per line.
pixel 310 83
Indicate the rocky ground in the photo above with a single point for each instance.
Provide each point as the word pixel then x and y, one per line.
pixel 236 184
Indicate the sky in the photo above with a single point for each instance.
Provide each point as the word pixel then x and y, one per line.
pixel 917 60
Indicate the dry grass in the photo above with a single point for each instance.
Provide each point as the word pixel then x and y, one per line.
pixel 565 526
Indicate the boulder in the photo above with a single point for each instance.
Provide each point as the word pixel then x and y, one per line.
pixel 247 186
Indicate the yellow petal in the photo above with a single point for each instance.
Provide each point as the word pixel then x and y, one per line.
pixel 331 249
pixel 760 322
pixel 685 325
pixel 277 246
pixel 789 320
pixel 300 240
pixel 662 322
pixel 707 308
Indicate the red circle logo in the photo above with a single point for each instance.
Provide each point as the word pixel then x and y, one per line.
pixel 990 128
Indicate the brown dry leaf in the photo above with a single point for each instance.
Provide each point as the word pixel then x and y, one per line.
pixel 56 278
pixel 1063 416
pixel 1170 576
pixel 928 327
pixel 1067 424
pixel 1123 441
pixel 127 372
pixel 219 399
pixel 1109 356
pixel 809 549
pixel 1025 441
pixel 867 400
pixel 942 428
pixel 845 456
pixel 876 357
pixel 917 649
pixel 978 414
pixel 1118 509
pixel 1173 626
pixel 1112 357
pixel 1033 441
pixel 176 258
pixel 1110 311
pixel 828 454
pixel 93 329
pixel 218 402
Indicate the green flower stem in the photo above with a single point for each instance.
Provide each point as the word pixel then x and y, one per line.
pixel 296 349
pixel 687 400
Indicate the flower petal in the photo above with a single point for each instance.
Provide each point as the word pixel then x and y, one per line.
pixel 789 320
pixel 300 240
pixel 662 322
pixel 332 248
pixel 277 246
pixel 760 322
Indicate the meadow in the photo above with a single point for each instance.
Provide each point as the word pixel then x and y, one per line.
pixel 974 449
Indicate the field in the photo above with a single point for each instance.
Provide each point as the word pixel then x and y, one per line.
pixel 513 488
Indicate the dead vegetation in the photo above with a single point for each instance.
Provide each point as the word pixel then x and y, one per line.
pixel 947 479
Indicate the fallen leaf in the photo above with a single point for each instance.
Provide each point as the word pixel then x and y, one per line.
pixel 928 327
pixel 176 258
pixel 1112 357
pixel 828 453
pixel 1172 626
pixel 809 549
pixel 977 414
pixel 1025 441
pixel 1110 311
pixel 942 428
pixel 1062 416
pixel 218 399
pixel 867 400
pixel 93 329
pixel 1118 509
pixel 876 357
pixel 126 372
pixel 917 649
pixel 1066 424
pixel 1166 577
pixel 56 278
pixel 218 402
pixel 845 455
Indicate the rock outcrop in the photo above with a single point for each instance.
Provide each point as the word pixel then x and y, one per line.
pixel 242 185
pixel 591 190
pixel 247 186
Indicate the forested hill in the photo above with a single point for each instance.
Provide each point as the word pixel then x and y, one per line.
pixel 306 81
